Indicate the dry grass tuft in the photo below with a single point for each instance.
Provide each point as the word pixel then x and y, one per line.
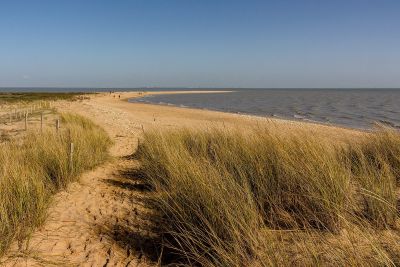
pixel 256 198
pixel 375 164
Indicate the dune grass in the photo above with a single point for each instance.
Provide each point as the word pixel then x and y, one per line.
pixel 260 198
pixel 37 166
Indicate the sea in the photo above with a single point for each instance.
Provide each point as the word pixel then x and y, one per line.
pixel 353 108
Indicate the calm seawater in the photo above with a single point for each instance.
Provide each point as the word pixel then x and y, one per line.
pixel 356 108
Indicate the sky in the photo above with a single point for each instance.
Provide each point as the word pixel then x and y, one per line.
pixel 200 43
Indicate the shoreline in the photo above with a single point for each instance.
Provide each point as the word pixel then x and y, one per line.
pixel 192 114
pixel 245 115
pixel 167 117
pixel 149 93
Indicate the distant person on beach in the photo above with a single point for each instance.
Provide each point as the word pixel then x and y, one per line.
pixel 119 96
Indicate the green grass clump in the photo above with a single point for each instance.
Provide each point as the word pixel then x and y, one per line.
pixel 261 197
pixel 34 168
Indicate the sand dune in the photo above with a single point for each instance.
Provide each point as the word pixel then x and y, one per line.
pixel 87 222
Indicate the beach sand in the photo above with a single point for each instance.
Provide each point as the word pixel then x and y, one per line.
pixel 101 220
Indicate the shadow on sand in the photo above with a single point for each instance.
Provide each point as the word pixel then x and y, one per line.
pixel 139 235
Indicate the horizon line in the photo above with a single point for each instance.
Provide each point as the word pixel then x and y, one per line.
pixel 181 87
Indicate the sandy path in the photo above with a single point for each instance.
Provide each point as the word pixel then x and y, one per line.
pixel 99 221
pixel 82 227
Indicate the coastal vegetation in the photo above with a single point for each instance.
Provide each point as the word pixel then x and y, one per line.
pixel 261 197
pixel 32 96
pixel 38 164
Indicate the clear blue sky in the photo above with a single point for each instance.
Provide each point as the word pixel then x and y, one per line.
pixel 200 43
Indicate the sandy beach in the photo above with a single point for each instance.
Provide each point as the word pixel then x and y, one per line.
pixel 162 116
pixel 82 223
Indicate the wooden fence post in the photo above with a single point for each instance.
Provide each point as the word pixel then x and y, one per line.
pixel 26 121
pixel 41 122
pixel 71 154
pixel 57 124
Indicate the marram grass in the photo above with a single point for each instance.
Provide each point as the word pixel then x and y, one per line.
pixel 34 168
pixel 255 197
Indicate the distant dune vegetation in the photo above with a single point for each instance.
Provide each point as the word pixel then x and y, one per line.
pixel 6 98
pixel 258 197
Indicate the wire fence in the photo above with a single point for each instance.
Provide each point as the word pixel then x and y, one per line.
pixel 33 117
pixel 23 112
